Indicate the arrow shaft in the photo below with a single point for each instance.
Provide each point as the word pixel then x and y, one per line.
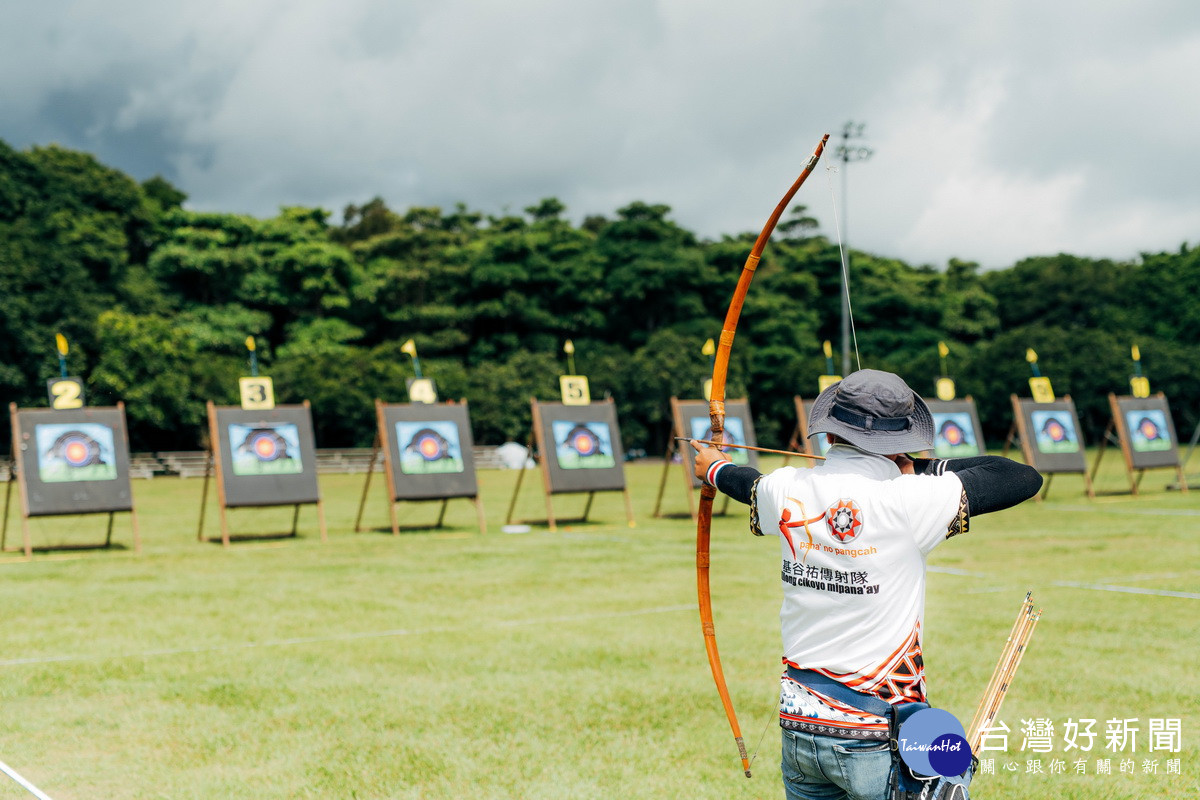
pixel 749 447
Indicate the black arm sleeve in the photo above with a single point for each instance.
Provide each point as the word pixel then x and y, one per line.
pixel 991 483
pixel 737 482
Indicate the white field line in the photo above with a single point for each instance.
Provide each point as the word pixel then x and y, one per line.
pixel 340 637
pixel 26 785
pixel 1099 587
pixel 1139 512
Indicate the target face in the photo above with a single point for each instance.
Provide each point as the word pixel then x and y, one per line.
pixel 734 433
pixel 955 430
pixel 1148 430
pixel 1054 432
pixel 75 452
pixel 429 447
pixel 583 445
pixel 266 449
pixel 268 446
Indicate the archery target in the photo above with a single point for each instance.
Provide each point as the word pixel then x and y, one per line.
pixel 583 445
pixel 75 452
pixel 1054 432
pixel 734 433
pixel 266 449
pixel 428 447
pixel 954 434
pixel 1148 429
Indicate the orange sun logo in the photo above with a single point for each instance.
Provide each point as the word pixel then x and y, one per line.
pixel 844 519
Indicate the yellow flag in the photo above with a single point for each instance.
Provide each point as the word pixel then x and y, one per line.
pixel 1031 356
pixel 709 348
pixel 61 341
pixel 943 351
pixel 250 344
pixel 828 349
pixel 569 347
pixel 1137 354
pixel 409 347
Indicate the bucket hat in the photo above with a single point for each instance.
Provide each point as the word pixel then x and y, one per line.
pixel 874 411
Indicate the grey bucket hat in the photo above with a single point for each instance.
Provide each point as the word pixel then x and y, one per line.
pixel 874 411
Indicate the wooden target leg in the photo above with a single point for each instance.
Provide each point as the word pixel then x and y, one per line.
pixel 587 507
pixel 516 491
pixel 8 499
pixel 1046 487
pixel 629 508
pixel 550 513
pixel 137 533
pixel 25 536
pixel 479 514
pixel 295 519
pixel 392 516
pixel 442 513
pixel 108 533
pixel 224 528
pixel 321 520
pixel 203 498
pixel 662 481
pixel 362 502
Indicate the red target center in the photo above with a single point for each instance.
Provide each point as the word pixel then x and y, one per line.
pixel 77 452
pixel 1149 430
pixel 264 447
pixel 954 435
pixel 1056 432
pixel 429 448
pixel 584 444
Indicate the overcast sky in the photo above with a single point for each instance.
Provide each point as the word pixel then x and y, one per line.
pixel 999 129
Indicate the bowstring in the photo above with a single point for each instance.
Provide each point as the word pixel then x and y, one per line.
pixel 837 226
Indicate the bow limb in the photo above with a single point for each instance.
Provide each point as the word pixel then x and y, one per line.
pixel 716 411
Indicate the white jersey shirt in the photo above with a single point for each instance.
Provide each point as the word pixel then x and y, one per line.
pixel 854 535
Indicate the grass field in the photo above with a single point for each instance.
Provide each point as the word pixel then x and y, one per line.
pixel 548 665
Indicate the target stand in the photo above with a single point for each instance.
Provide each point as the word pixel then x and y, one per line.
pixel 578 449
pixel 261 458
pixel 690 419
pixel 427 457
pixel 1145 433
pixel 1050 439
pixel 67 463
pixel 800 440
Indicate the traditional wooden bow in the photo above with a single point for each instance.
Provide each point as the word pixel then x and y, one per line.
pixel 716 411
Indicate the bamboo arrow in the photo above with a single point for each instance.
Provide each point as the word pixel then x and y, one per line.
pixel 749 447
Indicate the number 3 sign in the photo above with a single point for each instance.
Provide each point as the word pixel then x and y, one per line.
pixel 258 394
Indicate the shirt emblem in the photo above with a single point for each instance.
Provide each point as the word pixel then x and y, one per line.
pixel 844 519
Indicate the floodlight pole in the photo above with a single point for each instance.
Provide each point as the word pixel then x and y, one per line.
pixel 848 154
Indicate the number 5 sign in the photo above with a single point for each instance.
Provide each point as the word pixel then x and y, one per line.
pixel 258 393
pixel 574 390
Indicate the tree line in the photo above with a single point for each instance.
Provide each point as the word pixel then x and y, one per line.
pixel 157 301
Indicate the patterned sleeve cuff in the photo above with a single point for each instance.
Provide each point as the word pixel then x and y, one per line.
pixel 710 477
pixel 962 519
pixel 754 526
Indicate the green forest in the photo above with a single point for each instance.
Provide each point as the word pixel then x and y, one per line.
pixel 157 301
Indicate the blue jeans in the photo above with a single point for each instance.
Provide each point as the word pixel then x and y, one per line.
pixel 827 768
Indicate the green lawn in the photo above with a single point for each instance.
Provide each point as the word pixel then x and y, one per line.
pixel 546 665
